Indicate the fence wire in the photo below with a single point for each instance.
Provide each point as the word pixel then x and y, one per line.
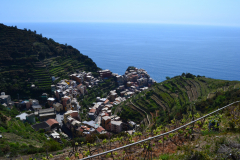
pixel 157 136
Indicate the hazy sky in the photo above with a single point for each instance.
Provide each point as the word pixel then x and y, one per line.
pixel 210 12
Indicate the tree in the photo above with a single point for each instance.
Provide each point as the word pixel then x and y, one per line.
pixel 168 78
pixel 189 75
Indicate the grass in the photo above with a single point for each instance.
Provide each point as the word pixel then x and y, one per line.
pixel 165 156
pixel 11 137
pixel 209 133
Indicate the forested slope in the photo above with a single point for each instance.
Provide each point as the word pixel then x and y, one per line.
pixel 28 58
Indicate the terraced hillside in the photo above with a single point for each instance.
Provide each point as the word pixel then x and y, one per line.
pixel 27 58
pixel 174 97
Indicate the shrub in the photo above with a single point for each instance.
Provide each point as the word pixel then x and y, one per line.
pixel 80 140
pixel 2 129
pixel 164 157
pixel 167 78
pixel 102 136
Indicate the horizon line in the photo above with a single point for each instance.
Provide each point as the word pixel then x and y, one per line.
pixel 130 22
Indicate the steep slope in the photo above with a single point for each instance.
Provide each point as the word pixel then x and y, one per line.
pixel 27 58
pixel 174 97
pixel 20 138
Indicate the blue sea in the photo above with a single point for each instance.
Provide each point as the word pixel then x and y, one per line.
pixel 161 49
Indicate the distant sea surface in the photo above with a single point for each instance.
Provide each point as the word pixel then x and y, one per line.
pixel 163 50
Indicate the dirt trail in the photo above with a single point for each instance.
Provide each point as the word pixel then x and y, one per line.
pixel 142 111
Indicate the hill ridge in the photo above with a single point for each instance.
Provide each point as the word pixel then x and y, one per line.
pixel 27 58
pixel 173 97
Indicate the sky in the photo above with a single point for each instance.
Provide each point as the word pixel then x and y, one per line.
pixel 199 12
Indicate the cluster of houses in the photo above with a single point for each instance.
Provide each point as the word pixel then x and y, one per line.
pixel 48 122
pixel 133 81
pixel 66 91
pixel 100 114
pixel 78 128
pixel 5 100
pixel 37 110
pixel 101 119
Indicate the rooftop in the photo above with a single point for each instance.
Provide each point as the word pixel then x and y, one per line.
pixel 91 123
pixel 4 96
pixel 36 106
pixel 100 129
pixel 50 122
pixel 46 114
pixel 75 122
pixel 106 101
pixel 46 110
pixel 118 123
pixel 51 99
pixel 92 110
pixel 22 116
pixel 106 118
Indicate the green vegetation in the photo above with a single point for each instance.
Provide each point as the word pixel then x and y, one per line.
pixel 198 141
pixel 21 138
pixel 174 97
pixel 221 144
pixel 130 68
pixel 28 58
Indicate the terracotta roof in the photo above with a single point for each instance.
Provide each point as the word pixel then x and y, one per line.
pixel 106 101
pixel 83 127
pixel 92 110
pixel 100 129
pixel 50 122
pixel 81 130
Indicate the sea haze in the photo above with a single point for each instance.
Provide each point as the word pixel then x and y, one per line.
pixel 163 50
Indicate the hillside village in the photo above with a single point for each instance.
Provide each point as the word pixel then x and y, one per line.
pixel 62 114
pixel 64 108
